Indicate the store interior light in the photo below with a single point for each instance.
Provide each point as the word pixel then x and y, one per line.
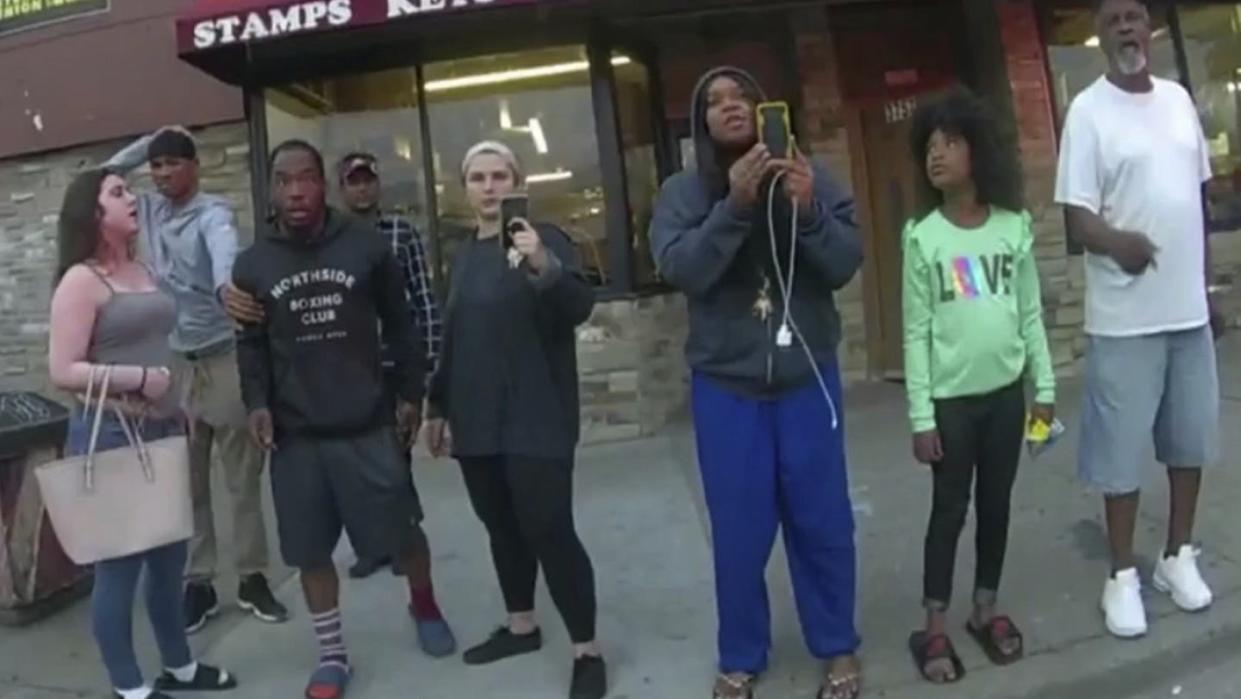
pixel 515 75
pixel 534 127
pixel 1092 41
pixel 540 138
pixel 557 176
pixel 404 148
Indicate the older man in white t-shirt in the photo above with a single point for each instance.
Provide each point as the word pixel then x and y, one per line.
pixel 1132 163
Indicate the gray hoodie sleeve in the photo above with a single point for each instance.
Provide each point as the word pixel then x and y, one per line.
pixel 220 236
pixel 131 157
pixel 694 242
pixel 828 236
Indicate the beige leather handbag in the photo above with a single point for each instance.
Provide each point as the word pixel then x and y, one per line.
pixel 117 502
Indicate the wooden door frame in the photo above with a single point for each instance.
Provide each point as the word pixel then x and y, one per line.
pixel 872 310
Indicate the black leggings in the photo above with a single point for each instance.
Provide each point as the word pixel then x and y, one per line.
pixel 980 434
pixel 527 507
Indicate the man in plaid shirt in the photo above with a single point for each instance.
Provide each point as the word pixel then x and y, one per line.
pixel 360 191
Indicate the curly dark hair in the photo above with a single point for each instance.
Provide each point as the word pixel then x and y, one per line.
pixel 994 163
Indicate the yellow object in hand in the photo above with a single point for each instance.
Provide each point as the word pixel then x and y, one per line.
pixel 1038 431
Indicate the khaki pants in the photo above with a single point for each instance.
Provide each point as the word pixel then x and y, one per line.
pixel 219 430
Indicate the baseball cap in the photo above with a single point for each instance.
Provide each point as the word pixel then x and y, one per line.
pixel 353 162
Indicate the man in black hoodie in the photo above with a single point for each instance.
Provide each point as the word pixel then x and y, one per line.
pixel 313 383
pixel 759 245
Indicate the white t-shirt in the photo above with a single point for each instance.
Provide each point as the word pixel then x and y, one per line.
pixel 1138 160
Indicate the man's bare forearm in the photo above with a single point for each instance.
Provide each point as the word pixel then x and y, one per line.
pixel 1208 272
pixel 1090 230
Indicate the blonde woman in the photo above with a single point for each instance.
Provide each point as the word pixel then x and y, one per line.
pixel 511 417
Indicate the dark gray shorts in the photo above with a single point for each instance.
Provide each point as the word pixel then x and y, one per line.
pixel 361 485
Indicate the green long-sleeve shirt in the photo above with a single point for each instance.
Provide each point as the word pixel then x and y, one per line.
pixel 973 312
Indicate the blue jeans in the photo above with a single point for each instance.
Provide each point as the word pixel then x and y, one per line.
pixel 769 465
pixel 116 580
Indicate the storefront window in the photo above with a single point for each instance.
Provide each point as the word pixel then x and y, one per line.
pixel 1213 51
pixel 638 136
pixel 375 113
pixel 539 103
pixel 1073 50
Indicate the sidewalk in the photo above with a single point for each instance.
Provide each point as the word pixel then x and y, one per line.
pixel 641 516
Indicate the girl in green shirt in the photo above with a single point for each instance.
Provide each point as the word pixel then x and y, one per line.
pixel 973 334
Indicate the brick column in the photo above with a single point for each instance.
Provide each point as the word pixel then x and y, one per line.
pixel 825 134
pixel 1062 276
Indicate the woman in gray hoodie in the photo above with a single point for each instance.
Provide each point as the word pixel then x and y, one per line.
pixel 759 245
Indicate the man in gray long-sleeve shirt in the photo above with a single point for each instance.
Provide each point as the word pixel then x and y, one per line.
pixel 190 240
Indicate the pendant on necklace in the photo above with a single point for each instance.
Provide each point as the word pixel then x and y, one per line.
pixel 514 258
pixel 762 305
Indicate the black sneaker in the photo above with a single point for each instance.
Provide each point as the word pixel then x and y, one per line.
pixel 201 603
pixel 504 644
pixel 366 567
pixel 255 597
pixel 590 678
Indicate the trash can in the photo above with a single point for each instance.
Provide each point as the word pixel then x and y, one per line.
pixel 36 577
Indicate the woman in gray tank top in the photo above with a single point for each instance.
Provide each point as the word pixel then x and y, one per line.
pixel 108 310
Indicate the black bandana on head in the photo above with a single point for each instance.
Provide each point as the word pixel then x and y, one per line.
pixel 172 144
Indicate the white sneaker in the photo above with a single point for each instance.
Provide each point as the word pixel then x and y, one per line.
pixel 1123 611
pixel 1179 577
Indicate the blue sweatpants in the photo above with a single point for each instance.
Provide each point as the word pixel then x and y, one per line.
pixel 768 464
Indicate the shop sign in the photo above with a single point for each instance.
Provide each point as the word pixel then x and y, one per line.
pixel 900 110
pixel 16 15
pixel 309 15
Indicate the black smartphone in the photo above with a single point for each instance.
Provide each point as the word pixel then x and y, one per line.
pixel 512 207
pixel 775 129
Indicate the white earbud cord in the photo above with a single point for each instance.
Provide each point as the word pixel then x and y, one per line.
pixel 788 327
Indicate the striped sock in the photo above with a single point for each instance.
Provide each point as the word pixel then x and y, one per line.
pixel 331 636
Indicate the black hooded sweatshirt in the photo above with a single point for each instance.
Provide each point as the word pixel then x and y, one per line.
pixel 315 361
pixel 721 258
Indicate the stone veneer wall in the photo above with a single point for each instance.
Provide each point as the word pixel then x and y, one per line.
pixel 633 374
pixel 826 134
pixel 31 189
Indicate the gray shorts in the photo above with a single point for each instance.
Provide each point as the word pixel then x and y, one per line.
pixel 1163 386
pixel 361 485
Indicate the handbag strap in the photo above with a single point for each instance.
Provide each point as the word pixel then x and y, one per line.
pixel 132 435
pixel 98 406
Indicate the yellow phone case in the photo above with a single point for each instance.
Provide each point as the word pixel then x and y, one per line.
pixel 783 107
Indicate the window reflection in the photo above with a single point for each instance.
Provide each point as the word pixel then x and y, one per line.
pixel 375 113
pixel 638 136
pixel 1075 59
pixel 539 103
pixel 1213 50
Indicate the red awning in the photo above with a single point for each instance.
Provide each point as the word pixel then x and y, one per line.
pixel 210 25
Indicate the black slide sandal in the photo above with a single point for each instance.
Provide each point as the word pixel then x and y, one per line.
pixel 1000 628
pixel 925 648
pixel 206 679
